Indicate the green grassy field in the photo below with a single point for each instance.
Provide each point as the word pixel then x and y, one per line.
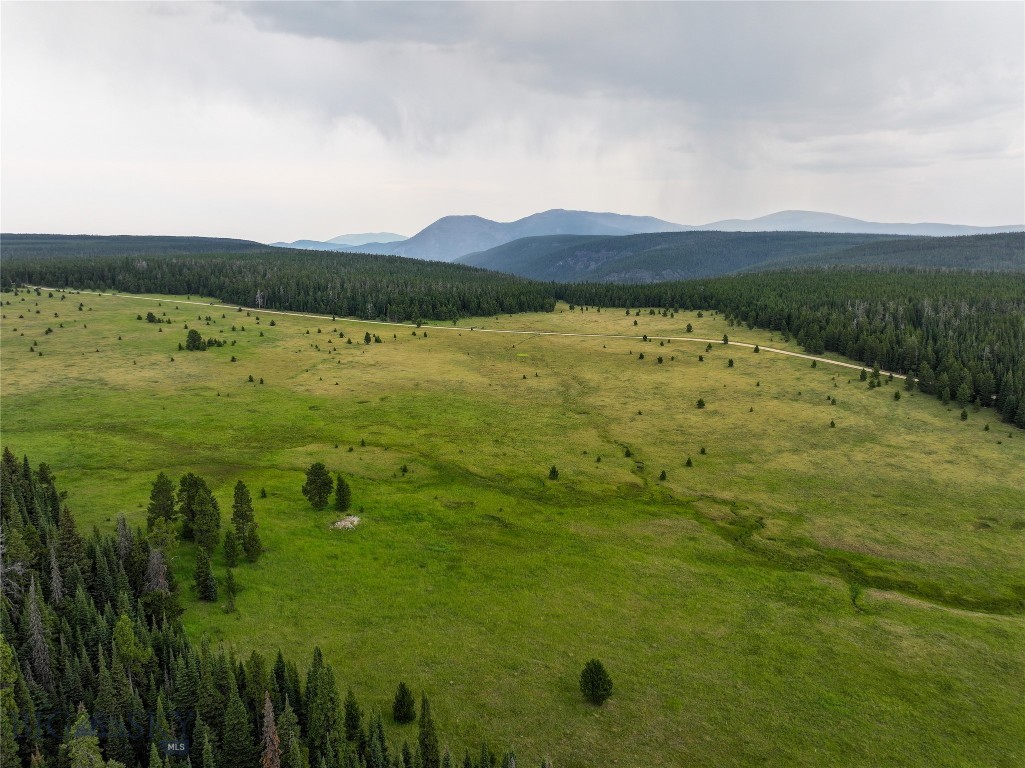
pixel 801 595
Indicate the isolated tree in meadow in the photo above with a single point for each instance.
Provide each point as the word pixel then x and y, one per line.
pixel 690 328
pixel 161 501
pixel 553 473
pixel 725 339
pixel 701 403
pixel 595 682
pixel 317 488
pixel 729 363
pixel 343 494
pixel 403 708
pixel 194 341
pixel 206 584
pixel 896 394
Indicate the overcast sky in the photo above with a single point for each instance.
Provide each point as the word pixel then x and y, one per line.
pixel 283 121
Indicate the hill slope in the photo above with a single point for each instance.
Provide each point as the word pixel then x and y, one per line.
pixel 41 246
pixel 682 255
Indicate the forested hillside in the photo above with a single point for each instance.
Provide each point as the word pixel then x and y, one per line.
pixel 354 285
pixel 648 258
pixel 70 246
pixel 96 669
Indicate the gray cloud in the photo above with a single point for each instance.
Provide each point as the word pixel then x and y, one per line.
pixel 394 113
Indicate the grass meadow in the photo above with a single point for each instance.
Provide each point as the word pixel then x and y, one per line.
pixel 802 595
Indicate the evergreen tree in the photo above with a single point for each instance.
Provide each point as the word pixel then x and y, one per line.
pixel 194 341
pixel 252 545
pixel 427 738
pixel 206 521
pixel 39 644
pixel 318 485
pixel 232 547
pixel 404 707
pixel 237 747
pixel 343 494
pixel 161 501
pixel 81 749
pixel 353 716
pixel 242 509
pixel 206 585
pixel 595 682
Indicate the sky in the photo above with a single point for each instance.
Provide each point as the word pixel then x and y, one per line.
pixel 297 120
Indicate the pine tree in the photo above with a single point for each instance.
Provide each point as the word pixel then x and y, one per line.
pixel 595 682
pixel 206 585
pixel 39 644
pixel 271 757
pixel 237 739
pixel 252 545
pixel 161 501
pixel 404 707
pixel 242 509
pixel 81 749
pixel 343 494
pixel 318 485
pixel 353 716
pixel 427 738
pixel 206 521
pixel 232 547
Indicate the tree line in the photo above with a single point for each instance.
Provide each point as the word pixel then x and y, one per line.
pixel 96 670
pixel 957 333
pixel 351 285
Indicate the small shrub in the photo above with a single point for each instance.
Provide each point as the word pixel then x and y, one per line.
pixel 595 683
pixel 553 473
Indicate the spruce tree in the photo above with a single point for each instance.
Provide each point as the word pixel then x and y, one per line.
pixel 206 520
pixel 317 488
pixel 343 494
pixel 206 585
pixel 161 501
pixel 404 707
pixel 353 716
pixel 427 738
pixel 251 544
pixel 237 737
pixel 242 509
pixel 232 547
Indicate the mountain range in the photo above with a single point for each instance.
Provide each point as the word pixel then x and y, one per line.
pixel 343 242
pixel 452 237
